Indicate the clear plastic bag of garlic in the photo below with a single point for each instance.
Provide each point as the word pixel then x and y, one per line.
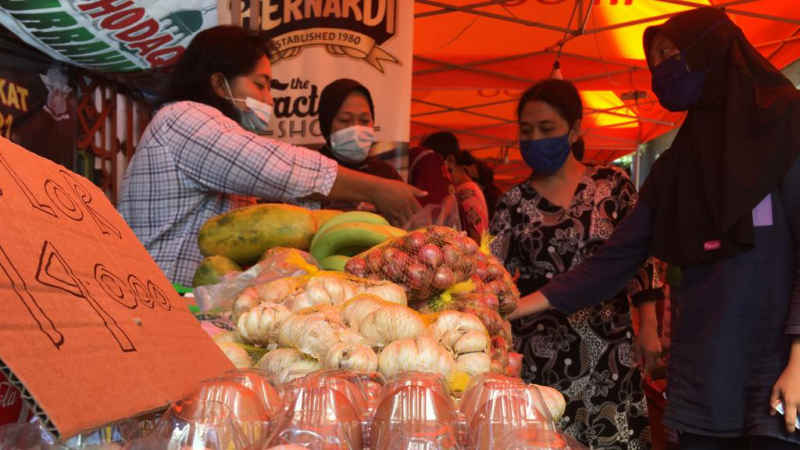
pixel 260 324
pixel 314 334
pixel 330 288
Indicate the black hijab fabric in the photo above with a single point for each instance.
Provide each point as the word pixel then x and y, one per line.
pixel 331 99
pixel 732 150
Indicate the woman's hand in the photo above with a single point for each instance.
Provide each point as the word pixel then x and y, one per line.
pixel 397 200
pixel 530 304
pixel 787 388
pixel 647 344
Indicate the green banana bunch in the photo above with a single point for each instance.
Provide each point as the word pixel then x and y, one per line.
pixel 350 238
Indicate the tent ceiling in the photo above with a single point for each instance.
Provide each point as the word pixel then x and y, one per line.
pixel 473 58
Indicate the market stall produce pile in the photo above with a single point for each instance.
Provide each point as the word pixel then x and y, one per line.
pixel 386 304
pixel 313 319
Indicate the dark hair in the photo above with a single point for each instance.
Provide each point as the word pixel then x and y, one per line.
pixel 444 143
pixel 485 174
pixel 331 99
pixel 465 159
pixel 227 49
pixel 562 96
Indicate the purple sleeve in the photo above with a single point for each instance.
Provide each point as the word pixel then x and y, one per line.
pixel 790 193
pixel 608 271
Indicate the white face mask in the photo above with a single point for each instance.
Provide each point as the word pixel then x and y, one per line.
pixel 352 144
pixel 256 115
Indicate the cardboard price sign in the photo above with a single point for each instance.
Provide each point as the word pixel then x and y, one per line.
pixel 89 326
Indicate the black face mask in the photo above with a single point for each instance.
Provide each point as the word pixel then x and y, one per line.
pixel 676 87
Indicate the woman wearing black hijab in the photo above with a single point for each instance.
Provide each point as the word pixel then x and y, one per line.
pixel 723 204
pixel 347 120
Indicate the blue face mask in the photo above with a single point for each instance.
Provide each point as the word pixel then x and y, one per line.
pixel 676 87
pixel 545 156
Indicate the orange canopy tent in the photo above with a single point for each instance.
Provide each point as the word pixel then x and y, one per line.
pixel 473 58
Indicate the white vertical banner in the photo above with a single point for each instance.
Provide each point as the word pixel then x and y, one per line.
pixel 319 41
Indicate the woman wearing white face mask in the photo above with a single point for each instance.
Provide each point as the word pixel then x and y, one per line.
pixel 347 120
pixel 201 155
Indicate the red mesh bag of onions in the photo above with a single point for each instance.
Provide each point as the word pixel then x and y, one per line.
pixel 433 260
pixel 494 286
pixel 426 261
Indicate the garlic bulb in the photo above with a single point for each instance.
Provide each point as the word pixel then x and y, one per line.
pixel 421 354
pixel 228 336
pixel 275 291
pixel 236 354
pixel 451 325
pixel 387 291
pixel 391 323
pixel 359 307
pixel 286 364
pixel 313 334
pixel 246 301
pixel 356 357
pixel 349 336
pixel 325 288
pixel 260 324
pixel 554 400
pixel 330 312
pixel 299 302
pixel 474 363
pixel 471 341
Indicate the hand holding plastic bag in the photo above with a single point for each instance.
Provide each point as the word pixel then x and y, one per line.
pixel 445 214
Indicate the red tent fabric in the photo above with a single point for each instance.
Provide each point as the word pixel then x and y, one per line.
pixel 473 58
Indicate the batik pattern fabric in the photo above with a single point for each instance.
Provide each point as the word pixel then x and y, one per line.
pixel 588 355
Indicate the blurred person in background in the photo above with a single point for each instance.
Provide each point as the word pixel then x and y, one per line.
pixel 471 202
pixel 347 122
pixel 427 169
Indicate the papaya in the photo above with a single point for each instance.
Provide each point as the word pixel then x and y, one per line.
pixel 323 215
pixel 244 234
pixel 212 269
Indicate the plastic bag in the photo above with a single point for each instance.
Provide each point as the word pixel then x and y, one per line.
pixel 445 214
pixel 277 263
pixel 26 436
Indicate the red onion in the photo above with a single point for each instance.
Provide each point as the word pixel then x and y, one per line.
pixel 414 241
pixel 396 267
pixel 430 255
pixel 356 266
pixel 495 271
pixel 451 255
pixel 481 270
pixel 489 301
pixel 416 275
pixel 444 278
pixel 470 247
pixel 495 287
pixel 389 254
pixel 375 261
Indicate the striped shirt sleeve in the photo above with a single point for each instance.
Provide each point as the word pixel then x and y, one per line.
pixel 216 154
